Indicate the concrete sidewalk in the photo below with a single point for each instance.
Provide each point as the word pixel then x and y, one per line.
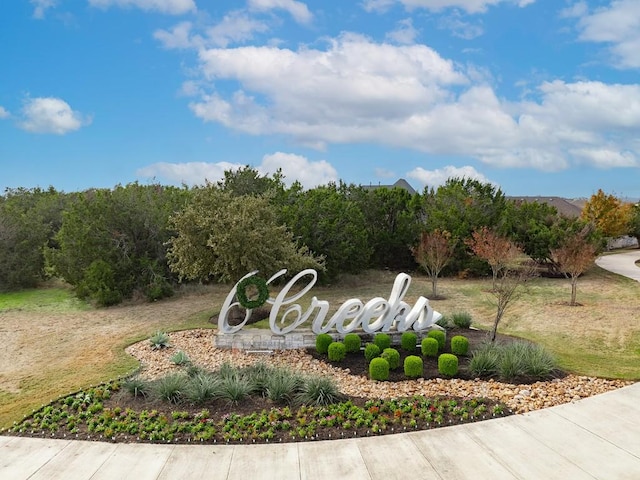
pixel 622 263
pixel 598 437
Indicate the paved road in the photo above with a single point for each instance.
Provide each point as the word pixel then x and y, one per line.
pixel 622 263
pixel 594 438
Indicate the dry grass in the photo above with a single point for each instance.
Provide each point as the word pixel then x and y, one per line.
pixel 48 352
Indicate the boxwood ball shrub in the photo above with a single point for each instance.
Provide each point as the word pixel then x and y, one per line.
pixel 459 345
pixel 448 364
pixel 429 347
pixel 371 351
pixel 408 341
pixel 392 356
pixel 413 366
pixel 337 351
pixel 379 369
pixel 352 342
pixel 440 336
pixel 322 343
pixel 382 340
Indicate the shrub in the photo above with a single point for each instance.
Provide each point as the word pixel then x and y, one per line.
pixel 337 351
pixel 259 375
pixel 235 388
pixel 443 322
pixel 137 387
pixel 379 369
pixel 539 362
pixel 319 391
pixel 392 356
pixel 283 385
pixel 408 341
pixel 509 361
pixel 440 336
pixel 371 351
pixel 180 358
pixel 382 340
pixel 459 345
pixel 171 388
pixel 413 366
pixel 352 342
pixel 159 340
pixel 322 343
pixel 202 387
pixel 429 347
pixel 461 319
pixel 448 364
pixel 484 361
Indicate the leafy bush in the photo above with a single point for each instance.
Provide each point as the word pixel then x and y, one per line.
pixel 382 340
pixel 440 336
pixel 159 340
pixel 371 351
pixel 235 388
pixel 392 356
pixel 337 351
pixel 413 366
pixel 509 361
pixel 429 347
pixel 283 386
pixel 259 375
pixel 323 341
pixel 352 342
pixel 171 388
pixel 409 341
pixel 484 360
pixel 539 362
pixel 379 369
pixel 459 345
pixel 180 358
pixel 137 387
pixel 461 319
pixel 448 364
pixel 202 387
pixel 319 391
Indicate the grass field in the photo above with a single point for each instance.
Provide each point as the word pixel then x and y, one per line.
pixel 53 344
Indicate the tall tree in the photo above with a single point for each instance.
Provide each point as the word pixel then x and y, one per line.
pixel 634 223
pixel 433 252
pixel 497 250
pixel 607 212
pixel 574 257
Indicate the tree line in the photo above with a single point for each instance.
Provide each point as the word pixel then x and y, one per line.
pixel 143 240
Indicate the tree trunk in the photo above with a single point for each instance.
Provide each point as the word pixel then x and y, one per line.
pixel 434 286
pixel 574 289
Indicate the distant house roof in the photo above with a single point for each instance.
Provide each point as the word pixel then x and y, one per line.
pixel 402 183
pixel 564 206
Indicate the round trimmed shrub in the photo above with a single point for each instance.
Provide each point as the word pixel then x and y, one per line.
pixel 448 364
pixel 322 343
pixel 429 347
pixel 440 336
pixel 382 340
pixel 337 351
pixel 371 351
pixel 459 345
pixel 392 356
pixel 379 369
pixel 413 366
pixel 352 342
pixel 408 341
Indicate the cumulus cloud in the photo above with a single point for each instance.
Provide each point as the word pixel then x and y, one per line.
pixel 470 6
pixel 170 7
pixel 617 25
pixel 461 28
pixel 294 168
pixel 41 7
pixel 438 177
pixel 297 10
pixel 404 34
pixel 4 113
pixel 51 115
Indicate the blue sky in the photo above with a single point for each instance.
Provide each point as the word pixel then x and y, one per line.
pixel 540 97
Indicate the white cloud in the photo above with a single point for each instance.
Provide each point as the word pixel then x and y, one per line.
pixel 404 34
pixel 460 28
pixel 294 168
pixel 189 173
pixel 41 7
pixel 384 173
pixel 576 10
pixel 470 6
pixel 179 36
pixel 235 27
pixel 4 113
pixel 617 25
pixel 170 7
pixel 297 10
pixel 51 115
pixel 438 177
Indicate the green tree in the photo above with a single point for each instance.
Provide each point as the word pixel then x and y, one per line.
pixel 248 181
pixel 634 223
pixel 223 237
pixel 332 225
